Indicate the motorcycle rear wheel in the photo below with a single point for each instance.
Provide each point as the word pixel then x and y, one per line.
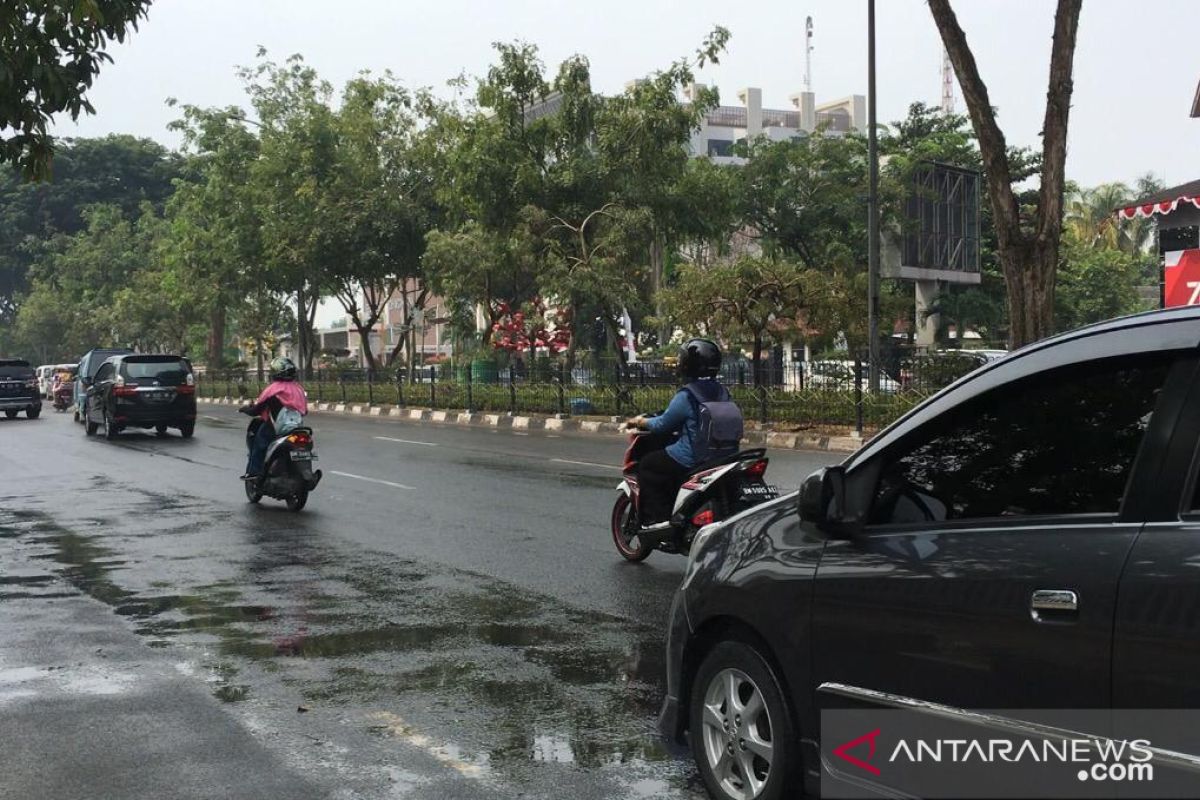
pixel 297 501
pixel 625 531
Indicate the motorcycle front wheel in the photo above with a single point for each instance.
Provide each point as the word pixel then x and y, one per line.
pixel 625 526
pixel 252 492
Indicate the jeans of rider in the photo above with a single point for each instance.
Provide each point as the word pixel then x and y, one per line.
pixel 660 477
pixel 258 448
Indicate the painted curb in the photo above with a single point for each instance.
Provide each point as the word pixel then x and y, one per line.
pixel 779 440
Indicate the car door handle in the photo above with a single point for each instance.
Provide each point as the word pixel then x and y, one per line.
pixel 1053 603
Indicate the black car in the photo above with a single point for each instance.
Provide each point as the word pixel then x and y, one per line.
pixel 19 389
pixel 1026 539
pixel 141 391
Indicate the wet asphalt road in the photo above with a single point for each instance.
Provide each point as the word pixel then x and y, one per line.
pixel 449 613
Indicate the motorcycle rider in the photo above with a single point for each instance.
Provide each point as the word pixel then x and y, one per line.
pixel 283 392
pixel 662 472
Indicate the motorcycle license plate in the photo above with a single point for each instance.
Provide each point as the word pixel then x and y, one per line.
pixel 302 455
pixel 758 491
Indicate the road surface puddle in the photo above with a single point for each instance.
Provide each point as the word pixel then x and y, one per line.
pixel 492 681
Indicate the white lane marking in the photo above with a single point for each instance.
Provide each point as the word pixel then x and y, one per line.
pixel 214 419
pixel 405 441
pixel 584 463
pixel 445 752
pixel 372 480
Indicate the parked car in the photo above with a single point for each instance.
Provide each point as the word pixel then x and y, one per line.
pixel 88 365
pixel 142 391
pixel 1025 539
pixel 19 388
pixel 839 374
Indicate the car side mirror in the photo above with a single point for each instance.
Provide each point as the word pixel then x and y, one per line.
pixel 822 499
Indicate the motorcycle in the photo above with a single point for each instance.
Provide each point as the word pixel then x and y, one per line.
pixel 288 473
pixel 710 493
pixel 64 396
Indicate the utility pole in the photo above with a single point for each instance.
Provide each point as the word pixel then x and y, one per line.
pixel 872 210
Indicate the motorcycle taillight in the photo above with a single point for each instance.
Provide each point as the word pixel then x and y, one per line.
pixel 300 440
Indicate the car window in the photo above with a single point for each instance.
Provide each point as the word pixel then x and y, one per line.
pixel 104 373
pixel 166 371
pixel 1060 442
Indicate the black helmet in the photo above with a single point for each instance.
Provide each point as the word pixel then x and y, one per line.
pixel 699 358
pixel 282 369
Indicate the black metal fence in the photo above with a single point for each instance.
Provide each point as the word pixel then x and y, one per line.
pixel 826 395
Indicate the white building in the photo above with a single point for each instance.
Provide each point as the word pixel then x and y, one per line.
pixel 725 126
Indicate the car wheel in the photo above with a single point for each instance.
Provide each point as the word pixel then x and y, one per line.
pixel 89 427
pixel 161 430
pixel 625 531
pixel 297 501
pixel 187 429
pixel 33 413
pixel 11 413
pixel 110 427
pixel 742 735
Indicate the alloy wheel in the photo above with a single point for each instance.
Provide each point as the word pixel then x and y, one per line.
pixel 738 742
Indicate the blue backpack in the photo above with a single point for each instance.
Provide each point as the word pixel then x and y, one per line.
pixel 720 425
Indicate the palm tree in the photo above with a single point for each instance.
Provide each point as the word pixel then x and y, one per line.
pixel 1090 215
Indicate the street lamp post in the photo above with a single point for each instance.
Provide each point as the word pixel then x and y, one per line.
pixel 872 210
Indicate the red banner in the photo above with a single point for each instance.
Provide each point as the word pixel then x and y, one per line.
pixel 1182 277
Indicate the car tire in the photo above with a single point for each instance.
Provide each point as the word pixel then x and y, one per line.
pixel 740 724
pixel 186 429
pixel 33 413
pixel 11 413
pixel 161 430
pixel 89 427
pixel 110 427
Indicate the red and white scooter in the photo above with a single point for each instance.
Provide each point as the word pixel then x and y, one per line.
pixel 710 493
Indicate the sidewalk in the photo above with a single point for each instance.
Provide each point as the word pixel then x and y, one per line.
pixel 526 422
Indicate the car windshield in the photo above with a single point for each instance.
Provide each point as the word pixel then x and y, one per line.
pixel 168 371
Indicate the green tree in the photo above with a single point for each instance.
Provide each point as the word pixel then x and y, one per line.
pixel 52 54
pixel 1096 284
pixel 751 298
pixel 118 170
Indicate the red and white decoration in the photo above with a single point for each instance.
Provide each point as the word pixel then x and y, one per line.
pixel 1181 275
pixel 1165 207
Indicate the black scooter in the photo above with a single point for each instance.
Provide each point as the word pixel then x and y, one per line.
pixel 288 474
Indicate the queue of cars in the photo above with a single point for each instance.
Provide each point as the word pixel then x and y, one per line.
pixel 1025 539
pixel 114 389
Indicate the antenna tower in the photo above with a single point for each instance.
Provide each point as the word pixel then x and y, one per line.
pixel 947 84
pixel 808 50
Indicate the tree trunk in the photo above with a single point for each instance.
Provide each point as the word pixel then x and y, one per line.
pixel 1029 273
pixel 1028 258
pixel 364 338
pixel 756 358
pixel 216 334
pixel 258 356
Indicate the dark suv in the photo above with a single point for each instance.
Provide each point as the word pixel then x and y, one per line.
pixel 141 391
pixel 19 389
pixel 1029 538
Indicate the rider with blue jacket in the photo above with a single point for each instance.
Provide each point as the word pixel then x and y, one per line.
pixel 707 422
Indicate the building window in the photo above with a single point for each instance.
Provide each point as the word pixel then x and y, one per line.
pixel 720 147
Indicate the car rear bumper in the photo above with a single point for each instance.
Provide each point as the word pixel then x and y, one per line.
pixel 672 719
pixel 19 403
